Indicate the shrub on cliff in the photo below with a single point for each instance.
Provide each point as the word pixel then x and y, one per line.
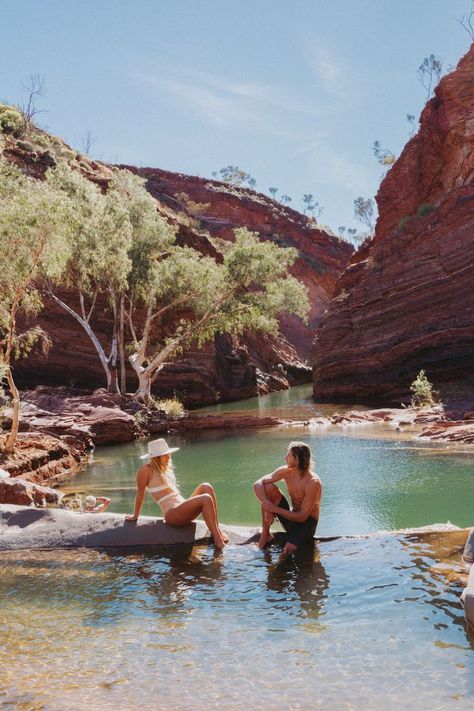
pixel 422 391
pixel 11 119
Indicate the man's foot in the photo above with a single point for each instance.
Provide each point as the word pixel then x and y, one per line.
pixel 288 549
pixel 265 538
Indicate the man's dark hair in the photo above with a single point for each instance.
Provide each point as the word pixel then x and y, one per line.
pixel 302 452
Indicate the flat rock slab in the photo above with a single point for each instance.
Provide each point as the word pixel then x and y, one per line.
pixel 22 527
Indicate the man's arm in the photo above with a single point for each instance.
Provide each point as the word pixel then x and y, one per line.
pixel 309 501
pixel 259 485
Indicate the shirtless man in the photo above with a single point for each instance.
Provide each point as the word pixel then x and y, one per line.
pixel 305 490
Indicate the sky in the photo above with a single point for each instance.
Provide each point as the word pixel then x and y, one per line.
pixel 294 92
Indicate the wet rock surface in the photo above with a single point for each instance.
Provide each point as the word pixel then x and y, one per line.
pixel 25 528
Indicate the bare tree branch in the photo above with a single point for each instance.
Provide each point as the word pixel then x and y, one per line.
pixel 35 86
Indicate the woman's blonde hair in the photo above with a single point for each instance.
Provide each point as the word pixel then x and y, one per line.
pixel 165 472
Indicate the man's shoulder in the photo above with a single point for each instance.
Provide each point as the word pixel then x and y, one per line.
pixel 315 481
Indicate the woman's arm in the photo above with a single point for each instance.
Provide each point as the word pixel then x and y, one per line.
pixel 309 501
pixel 142 481
pixel 259 485
pixel 103 505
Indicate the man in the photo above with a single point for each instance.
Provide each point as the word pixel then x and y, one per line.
pixel 305 490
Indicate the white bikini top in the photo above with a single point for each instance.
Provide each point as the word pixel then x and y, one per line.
pixel 155 489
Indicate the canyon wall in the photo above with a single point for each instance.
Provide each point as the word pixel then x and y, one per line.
pixel 406 301
pixel 205 212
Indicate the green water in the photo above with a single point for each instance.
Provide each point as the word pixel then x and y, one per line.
pixel 373 477
pixel 349 625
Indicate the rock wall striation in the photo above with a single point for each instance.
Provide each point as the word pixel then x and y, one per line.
pixel 406 301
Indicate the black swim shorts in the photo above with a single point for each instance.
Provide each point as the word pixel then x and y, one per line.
pixel 298 532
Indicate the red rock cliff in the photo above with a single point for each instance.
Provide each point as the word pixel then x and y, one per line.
pixel 226 369
pixel 406 301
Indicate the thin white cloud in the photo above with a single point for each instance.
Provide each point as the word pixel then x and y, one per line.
pixel 330 68
pixel 230 103
pixel 331 167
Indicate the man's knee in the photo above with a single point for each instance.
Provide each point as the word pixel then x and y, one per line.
pixel 272 492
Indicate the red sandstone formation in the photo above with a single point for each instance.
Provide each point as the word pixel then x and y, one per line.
pixel 24 493
pixel 228 368
pixel 40 458
pixel 406 301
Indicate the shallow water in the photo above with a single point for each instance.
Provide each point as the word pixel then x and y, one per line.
pixel 365 624
pixel 373 477
pixel 353 624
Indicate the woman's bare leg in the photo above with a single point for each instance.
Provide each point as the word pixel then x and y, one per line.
pixel 272 493
pixel 191 508
pixel 207 488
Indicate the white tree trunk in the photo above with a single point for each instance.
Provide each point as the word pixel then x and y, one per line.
pixel 143 391
pixel 92 336
pixel 12 436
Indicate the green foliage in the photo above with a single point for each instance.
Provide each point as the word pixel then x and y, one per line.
pixel 41 139
pixel 422 391
pixel 429 73
pixel 171 406
pixel 102 233
pixel 11 119
pixel 311 205
pixel 425 209
pixel 383 155
pixel 34 234
pixel 364 210
pixel 233 175
pixel 404 221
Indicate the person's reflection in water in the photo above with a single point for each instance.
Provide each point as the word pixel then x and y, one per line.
pixel 173 578
pixel 300 578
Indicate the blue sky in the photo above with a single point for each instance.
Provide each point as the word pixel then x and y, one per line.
pixel 294 92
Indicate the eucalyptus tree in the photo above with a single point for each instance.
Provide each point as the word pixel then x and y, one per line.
pixel 35 226
pixel 99 260
pixel 247 291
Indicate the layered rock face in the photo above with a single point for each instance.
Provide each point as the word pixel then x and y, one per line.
pixel 406 301
pixel 228 368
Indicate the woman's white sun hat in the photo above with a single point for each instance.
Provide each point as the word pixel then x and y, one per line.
pixel 157 448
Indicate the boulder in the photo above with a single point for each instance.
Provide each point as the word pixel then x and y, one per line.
pixel 25 493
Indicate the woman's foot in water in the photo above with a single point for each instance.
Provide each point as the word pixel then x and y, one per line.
pixel 225 537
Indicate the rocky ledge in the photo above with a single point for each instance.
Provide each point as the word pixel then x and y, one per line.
pixel 26 528
pixel 39 458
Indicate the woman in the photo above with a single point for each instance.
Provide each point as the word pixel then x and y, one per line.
pixel 305 491
pixel 158 477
